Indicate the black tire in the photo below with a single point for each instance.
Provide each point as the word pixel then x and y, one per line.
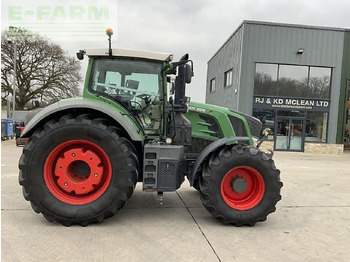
pixel 240 166
pixel 113 158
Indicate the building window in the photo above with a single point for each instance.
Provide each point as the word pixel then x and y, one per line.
pixel 228 78
pixel 294 93
pixel 267 118
pixel 212 87
pixel 319 82
pixel 292 81
pixel 265 81
pixel 316 127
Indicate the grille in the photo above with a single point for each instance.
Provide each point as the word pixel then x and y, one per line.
pixel 254 124
pixel 214 126
pixel 167 169
pixel 238 126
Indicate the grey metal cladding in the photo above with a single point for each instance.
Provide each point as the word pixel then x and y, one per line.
pixel 228 57
pixel 82 103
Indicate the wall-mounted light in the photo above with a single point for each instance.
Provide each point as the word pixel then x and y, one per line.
pixel 300 51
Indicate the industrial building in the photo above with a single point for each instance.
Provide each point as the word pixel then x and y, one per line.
pixel 294 78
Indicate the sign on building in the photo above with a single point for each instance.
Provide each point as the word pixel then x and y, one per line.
pixel 287 103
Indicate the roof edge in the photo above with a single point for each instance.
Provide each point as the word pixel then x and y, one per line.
pixel 228 39
pixel 253 22
pixel 118 52
pixel 296 25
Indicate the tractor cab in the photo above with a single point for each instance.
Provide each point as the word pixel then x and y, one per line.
pixel 137 80
pixel 136 84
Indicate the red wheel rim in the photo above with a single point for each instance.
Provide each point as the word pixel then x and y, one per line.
pixel 242 188
pixel 77 172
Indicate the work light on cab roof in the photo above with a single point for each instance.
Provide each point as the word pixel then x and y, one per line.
pixel 109 33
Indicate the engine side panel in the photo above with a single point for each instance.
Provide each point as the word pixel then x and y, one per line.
pixel 212 122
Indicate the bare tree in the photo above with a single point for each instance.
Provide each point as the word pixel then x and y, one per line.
pixel 264 84
pixel 44 71
pixel 319 86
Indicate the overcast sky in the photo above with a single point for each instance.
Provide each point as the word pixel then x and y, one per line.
pixel 197 27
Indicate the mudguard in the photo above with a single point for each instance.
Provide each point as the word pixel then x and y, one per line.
pixel 83 104
pixel 211 148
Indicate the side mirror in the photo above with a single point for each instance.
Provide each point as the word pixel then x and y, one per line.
pixel 188 73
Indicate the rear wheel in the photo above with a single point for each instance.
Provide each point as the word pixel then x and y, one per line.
pixel 78 170
pixel 240 185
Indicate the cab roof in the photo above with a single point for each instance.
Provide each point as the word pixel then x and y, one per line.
pixel 117 52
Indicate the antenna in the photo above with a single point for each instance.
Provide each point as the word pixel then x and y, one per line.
pixel 109 32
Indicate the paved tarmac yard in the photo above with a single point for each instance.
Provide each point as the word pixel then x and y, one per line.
pixel 312 222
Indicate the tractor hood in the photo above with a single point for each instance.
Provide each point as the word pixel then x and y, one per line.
pixel 254 124
pixel 207 108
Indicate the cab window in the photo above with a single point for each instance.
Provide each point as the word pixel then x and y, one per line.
pixel 133 84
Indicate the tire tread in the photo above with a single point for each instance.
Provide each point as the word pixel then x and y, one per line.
pixel 208 175
pixel 85 119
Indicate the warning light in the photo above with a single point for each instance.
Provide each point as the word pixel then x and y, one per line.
pixel 109 31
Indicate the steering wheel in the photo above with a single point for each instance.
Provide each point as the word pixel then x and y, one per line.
pixel 144 96
pixel 147 98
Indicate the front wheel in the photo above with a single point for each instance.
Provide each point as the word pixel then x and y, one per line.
pixel 240 185
pixel 78 170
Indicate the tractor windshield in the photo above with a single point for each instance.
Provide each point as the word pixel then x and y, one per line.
pixel 134 84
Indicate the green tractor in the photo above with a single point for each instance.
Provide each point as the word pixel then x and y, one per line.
pixel 134 124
